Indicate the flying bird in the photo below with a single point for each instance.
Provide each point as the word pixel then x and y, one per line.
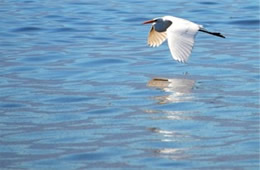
pixel 179 32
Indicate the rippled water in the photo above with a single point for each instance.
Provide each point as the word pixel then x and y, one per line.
pixel 80 89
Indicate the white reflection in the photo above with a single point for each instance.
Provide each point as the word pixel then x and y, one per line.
pixel 170 137
pixel 173 115
pixel 179 89
pixel 173 153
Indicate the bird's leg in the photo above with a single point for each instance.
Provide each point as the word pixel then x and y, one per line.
pixel 212 33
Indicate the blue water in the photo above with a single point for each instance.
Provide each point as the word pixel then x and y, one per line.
pixel 80 89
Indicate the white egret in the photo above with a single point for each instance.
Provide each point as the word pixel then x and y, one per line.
pixel 179 32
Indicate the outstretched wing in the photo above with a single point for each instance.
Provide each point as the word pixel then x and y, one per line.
pixel 181 37
pixel 156 38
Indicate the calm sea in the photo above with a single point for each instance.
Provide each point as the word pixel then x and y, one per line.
pixel 80 89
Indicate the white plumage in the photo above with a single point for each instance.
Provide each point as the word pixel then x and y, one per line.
pixel 180 33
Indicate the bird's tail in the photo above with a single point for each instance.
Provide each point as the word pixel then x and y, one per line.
pixel 212 33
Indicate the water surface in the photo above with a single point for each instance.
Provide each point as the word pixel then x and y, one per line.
pixel 80 89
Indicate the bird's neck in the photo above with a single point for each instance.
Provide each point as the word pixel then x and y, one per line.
pixel 161 26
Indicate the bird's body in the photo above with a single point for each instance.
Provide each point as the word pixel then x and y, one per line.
pixel 179 32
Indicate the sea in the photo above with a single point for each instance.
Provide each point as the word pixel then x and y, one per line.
pixel 80 88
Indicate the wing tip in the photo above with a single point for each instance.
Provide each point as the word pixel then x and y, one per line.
pixel 152 45
pixel 181 61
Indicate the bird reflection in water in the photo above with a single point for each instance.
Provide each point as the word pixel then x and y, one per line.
pixel 174 153
pixel 179 89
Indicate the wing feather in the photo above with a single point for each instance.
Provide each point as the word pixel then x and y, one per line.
pixel 181 39
pixel 155 38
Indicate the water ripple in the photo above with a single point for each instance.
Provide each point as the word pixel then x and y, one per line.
pixel 246 23
pixel 27 29
pixel 80 89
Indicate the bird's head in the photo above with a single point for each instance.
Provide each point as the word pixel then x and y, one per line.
pixel 154 21
pixel 160 24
